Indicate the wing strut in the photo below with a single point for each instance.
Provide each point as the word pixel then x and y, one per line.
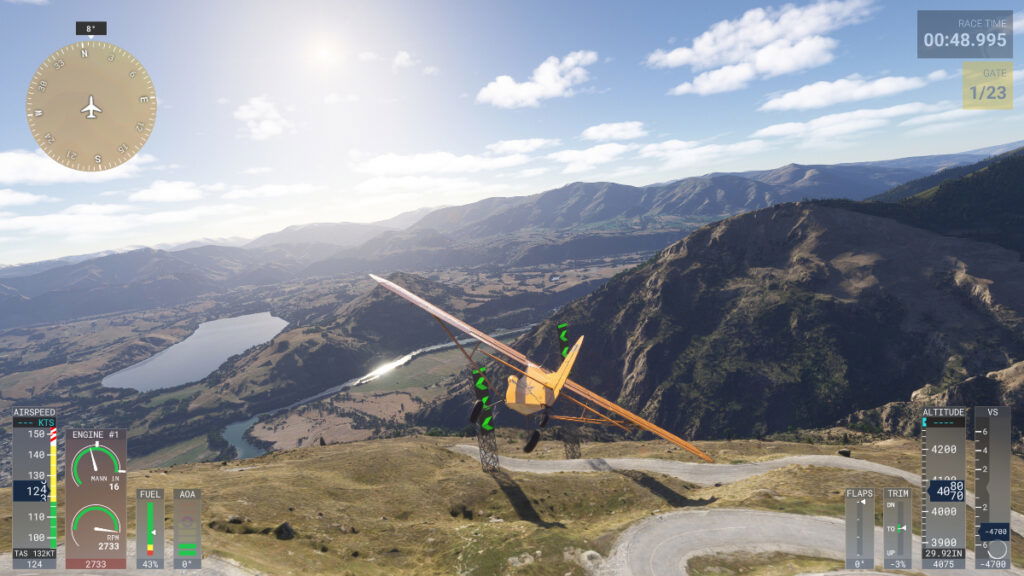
pixel 517 356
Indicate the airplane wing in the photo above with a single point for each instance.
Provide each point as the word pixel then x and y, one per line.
pixel 442 315
pixel 636 420
pixel 519 357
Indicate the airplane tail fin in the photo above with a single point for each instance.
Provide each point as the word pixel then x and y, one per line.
pixel 557 379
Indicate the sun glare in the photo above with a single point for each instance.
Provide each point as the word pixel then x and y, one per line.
pixel 324 52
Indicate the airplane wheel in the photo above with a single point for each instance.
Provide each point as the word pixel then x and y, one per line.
pixel 475 414
pixel 531 443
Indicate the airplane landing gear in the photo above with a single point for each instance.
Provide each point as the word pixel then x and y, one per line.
pixel 532 441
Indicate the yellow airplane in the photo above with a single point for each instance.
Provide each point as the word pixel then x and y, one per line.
pixel 537 389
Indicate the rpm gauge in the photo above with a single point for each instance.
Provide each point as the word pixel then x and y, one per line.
pixel 96 527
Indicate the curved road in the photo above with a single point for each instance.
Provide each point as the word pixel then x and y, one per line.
pixel 663 544
pixel 212 566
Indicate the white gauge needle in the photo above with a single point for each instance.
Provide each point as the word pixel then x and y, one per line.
pixel 92 455
pixel 98 529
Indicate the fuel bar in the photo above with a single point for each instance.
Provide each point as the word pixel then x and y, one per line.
pixel 149 529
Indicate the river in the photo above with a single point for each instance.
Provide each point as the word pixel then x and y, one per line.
pixel 234 433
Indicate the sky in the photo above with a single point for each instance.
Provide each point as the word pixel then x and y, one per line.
pixel 274 113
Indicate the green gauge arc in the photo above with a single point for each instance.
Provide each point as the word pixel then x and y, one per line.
pixel 103 449
pixel 104 509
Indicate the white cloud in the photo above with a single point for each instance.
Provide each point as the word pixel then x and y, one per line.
pixel 846 123
pixel 107 220
pixel 523 146
pixel 368 56
pixel 763 42
pixel 853 88
pixel 222 100
pixel 531 172
pixel 615 131
pixel 724 79
pixel 431 70
pixel 95 209
pixel 554 78
pixel 261 118
pixel 168 191
pixel 24 167
pixel 433 163
pixel 1018 23
pixel 676 154
pixel 589 158
pixel 270 191
pixel 954 115
pixel 403 59
pixel 335 98
pixel 258 170
pixel 10 197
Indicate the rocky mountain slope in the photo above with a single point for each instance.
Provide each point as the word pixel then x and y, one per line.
pixel 792 317
pixel 801 314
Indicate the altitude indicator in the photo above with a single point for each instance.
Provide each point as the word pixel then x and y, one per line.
pixel 943 488
pixel 91 106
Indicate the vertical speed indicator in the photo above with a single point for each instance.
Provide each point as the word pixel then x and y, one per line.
pixel 992 426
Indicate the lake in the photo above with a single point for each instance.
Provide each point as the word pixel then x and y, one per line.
pixel 200 354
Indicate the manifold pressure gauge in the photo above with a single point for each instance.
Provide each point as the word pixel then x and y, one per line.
pixel 91 106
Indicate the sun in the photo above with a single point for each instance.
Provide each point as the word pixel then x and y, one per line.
pixel 324 52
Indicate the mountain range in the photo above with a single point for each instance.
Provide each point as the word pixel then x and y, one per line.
pixel 807 314
pixel 579 220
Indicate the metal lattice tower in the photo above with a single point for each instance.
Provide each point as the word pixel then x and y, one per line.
pixel 488 450
pixel 571 441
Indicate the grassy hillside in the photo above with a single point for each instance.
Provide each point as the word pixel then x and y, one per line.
pixel 411 507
